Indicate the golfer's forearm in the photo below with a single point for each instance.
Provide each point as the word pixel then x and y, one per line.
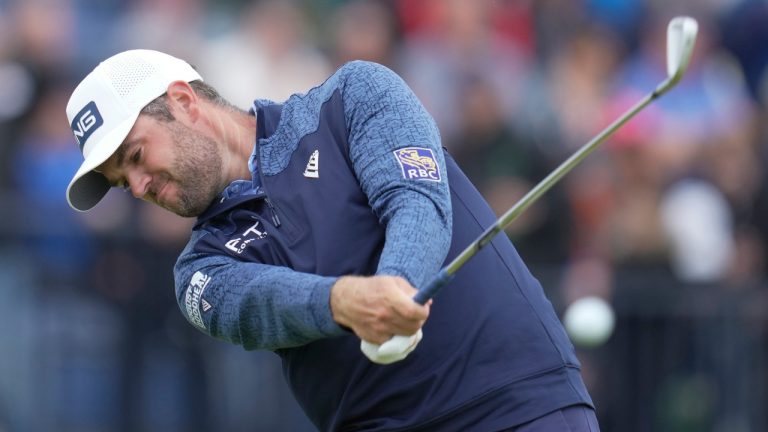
pixel 254 305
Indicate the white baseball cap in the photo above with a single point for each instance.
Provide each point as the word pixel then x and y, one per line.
pixel 106 104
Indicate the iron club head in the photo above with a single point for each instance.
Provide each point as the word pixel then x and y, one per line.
pixel 681 36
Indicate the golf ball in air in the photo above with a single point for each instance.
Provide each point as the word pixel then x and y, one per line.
pixel 589 321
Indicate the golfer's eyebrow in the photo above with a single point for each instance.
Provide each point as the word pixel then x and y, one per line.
pixel 122 151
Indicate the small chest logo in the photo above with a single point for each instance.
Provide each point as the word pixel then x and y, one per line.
pixel 418 163
pixel 86 122
pixel 313 166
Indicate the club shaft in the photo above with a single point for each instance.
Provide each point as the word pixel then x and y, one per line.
pixel 445 274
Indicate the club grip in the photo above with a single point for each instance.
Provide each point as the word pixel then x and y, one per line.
pixel 433 287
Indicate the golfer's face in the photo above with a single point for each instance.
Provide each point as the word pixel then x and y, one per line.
pixel 168 164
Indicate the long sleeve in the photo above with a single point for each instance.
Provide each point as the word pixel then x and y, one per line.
pixel 395 149
pixel 251 304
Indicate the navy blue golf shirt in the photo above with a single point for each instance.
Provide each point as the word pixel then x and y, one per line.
pixel 352 179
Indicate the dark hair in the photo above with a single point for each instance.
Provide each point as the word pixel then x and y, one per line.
pixel 159 110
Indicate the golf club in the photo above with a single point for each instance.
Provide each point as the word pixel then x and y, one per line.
pixel 681 36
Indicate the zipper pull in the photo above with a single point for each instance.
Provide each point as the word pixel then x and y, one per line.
pixel 275 219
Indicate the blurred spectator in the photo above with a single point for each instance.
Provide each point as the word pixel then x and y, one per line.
pixel 267 55
pixel 570 94
pixel 622 16
pixel 43 167
pixel 36 42
pixel 755 236
pixel 364 30
pixel 698 223
pixel 565 108
pixel 505 165
pixel 44 32
pixel 456 42
pixel 742 26
pixel 554 22
pixel 173 26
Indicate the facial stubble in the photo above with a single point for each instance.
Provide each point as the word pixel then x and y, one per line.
pixel 197 170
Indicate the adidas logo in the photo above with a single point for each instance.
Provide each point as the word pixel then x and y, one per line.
pixel 312 169
pixel 206 306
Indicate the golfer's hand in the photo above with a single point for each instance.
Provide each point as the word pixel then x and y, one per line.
pixel 377 308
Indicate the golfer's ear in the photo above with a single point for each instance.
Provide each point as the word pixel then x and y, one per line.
pixel 182 100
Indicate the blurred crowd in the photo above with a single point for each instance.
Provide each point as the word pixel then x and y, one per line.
pixel 677 200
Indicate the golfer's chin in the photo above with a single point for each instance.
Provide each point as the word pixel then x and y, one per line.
pixel 181 210
pixel 185 208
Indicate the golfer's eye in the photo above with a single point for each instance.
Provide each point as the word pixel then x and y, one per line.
pixel 136 157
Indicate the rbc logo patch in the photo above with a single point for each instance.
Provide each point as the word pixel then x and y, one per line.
pixel 86 122
pixel 418 163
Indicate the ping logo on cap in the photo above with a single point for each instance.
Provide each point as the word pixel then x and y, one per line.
pixel 86 122
pixel 418 163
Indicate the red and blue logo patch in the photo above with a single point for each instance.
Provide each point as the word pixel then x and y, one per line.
pixel 418 163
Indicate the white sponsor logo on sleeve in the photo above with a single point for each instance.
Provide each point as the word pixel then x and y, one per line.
pixel 194 296
pixel 238 245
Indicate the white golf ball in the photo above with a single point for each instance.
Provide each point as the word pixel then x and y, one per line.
pixel 589 321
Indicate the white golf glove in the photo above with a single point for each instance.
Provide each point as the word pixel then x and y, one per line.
pixel 392 350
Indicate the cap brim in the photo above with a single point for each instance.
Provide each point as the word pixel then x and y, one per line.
pixel 88 187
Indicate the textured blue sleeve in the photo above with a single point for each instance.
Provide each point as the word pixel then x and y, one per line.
pixel 395 148
pixel 254 305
